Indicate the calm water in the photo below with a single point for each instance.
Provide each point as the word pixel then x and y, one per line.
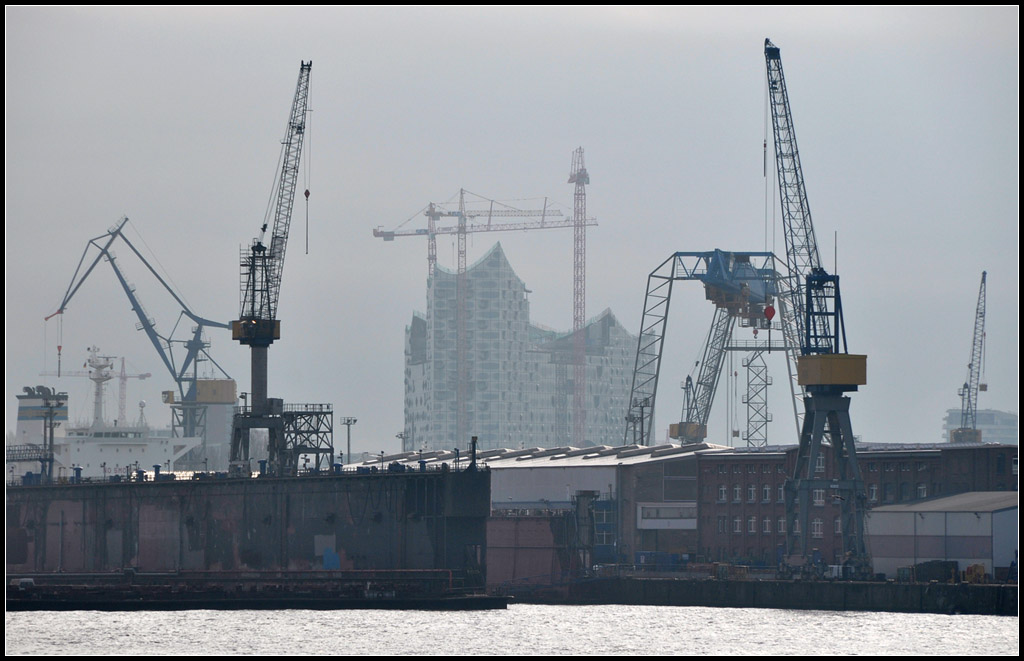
pixel 520 630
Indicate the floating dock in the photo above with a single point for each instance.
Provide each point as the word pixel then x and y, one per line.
pixel 376 539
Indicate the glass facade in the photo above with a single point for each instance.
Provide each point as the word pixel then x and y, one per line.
pixel 520 376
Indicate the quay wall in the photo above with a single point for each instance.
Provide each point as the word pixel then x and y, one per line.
pixel 804 595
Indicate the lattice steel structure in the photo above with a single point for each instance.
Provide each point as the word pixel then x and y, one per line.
pixel 802 254
pixel 261 268
pixel 580 177
pixel 756 400
pixel 740 285
pixel 969 393
pixel 309 430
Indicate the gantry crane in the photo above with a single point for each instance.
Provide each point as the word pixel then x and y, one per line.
pixel 741 285
pixel 968 430
pixel 189 416
pixel 261 267
pixel 463 215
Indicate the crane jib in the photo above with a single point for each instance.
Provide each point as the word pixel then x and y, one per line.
pixel 262 265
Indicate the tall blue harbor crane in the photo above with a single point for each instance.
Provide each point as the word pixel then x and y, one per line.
pixel 188 414
pixel 812 321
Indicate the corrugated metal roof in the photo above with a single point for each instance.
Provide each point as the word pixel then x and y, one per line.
pixel 973 501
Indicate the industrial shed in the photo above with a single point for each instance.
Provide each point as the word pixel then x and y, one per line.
pixel 975 528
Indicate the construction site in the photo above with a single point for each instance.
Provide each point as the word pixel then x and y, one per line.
pixel 532 462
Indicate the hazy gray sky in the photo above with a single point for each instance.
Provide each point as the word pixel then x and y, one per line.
pixel 907 122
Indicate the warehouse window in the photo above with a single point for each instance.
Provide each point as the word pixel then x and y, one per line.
pixel 817 528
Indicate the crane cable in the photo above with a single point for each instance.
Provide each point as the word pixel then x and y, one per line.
pixel 306 168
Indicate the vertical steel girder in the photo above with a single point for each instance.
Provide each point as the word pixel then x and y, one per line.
pixel 561 404
pixel 756 400
pixel 462 357
pixel 580 177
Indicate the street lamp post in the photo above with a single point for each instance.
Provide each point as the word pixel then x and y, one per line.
pixel 348 422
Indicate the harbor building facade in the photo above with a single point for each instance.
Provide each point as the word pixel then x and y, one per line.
pixel 520 388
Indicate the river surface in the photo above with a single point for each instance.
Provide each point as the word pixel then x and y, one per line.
pixel 521 630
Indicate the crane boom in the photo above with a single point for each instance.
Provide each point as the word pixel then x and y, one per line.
pixel 434 212
pixel 264 267
pixel 802 256
pixel 969 393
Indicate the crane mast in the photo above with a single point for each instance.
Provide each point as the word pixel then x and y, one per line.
pixel 802 255
pixel 969 392
pixel 580 177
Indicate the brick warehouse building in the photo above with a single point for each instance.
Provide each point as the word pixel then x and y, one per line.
pixel 741 503
pixel 701 503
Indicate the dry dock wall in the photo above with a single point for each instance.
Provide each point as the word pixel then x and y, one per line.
pixel 809 595
pixel 379 521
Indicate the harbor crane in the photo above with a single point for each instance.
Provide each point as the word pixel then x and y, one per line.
pixel 812 320
pixel 742 285
pixel 257 326
pixel 189 417
pixel 968 430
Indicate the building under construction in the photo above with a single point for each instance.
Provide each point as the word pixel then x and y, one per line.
pixel 521 381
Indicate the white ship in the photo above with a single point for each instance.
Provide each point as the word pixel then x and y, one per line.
pixel 101 449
